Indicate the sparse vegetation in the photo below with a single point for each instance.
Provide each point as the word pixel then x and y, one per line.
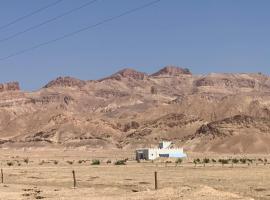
pixel 95 162
pixel 81 161
pixel 70 162
pixel 9 163
pixel 206 161
pixel 178 161
pixel 26 160
pixel 243 160
pixel 55 162
pixel 108 161
pixel 42 162
pixel 120 162
pixel 223 161
pixel 196 161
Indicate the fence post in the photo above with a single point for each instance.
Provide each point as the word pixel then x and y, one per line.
pixel 74 179
pixel 2 176
pixel 156 184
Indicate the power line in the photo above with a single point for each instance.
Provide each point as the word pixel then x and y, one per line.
pixel 81 30
pixel 30 14
pixel 48 21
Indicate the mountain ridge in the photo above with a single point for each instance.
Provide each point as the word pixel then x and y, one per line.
pixel 131 109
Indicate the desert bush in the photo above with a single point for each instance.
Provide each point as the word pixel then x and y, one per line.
pixel 42 162
pixel 108 161
pixel 95 162
pixel 234 161
pixel 9 163
pixel 80 161
pixel 55 162
pixel 26 160
pixel 70 162
pixel 120 162
pixel 196 161
pixel 265 161
pixel 243 160
pixel 213 161
pixel 223 161
pixel 179 161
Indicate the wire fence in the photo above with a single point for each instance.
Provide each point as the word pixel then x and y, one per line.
pixel 177 179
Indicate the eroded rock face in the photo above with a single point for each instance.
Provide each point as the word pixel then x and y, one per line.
pixel 172 71
pixel 226 81
pixel 65 82
pixel 11 86
pixel 127 73
pixel 216 112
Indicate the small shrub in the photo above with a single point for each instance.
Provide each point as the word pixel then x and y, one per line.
pixel 80 161
pixel 95 162
pixel 108 161
pixel 42 162
pixel 196 161
pixel 55 162
pixel 26 160
pixel 243 160
pixel 9 163
pixel 120 162
pixel 70 162
pixel 213 161
pixel 235 161
pixel 223 161
pixel 179 161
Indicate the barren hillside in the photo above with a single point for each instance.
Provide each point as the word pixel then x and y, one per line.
pixel 215 112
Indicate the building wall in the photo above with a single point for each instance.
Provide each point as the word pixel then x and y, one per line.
pixel 154 153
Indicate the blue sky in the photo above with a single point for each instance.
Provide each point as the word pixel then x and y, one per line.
pixel 205 36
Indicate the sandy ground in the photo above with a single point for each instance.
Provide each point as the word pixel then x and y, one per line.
pixel 48 175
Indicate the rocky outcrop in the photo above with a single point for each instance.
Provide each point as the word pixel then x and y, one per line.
pixel 65 82
pixel 131 109
pixel 127 73
pixel 226 81
pixel 11 86
pixel 172 71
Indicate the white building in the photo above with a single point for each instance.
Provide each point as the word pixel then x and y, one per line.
pixel 164 150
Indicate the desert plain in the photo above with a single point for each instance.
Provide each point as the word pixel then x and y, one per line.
pixel 47 174
pixel 69 124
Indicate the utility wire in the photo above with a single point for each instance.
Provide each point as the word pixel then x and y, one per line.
pixel 30 14
pixel 80 30
pixel 48 21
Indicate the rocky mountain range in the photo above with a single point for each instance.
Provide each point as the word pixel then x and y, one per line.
pixel 218 112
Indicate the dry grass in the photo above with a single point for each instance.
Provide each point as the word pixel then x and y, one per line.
pixel 131 181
